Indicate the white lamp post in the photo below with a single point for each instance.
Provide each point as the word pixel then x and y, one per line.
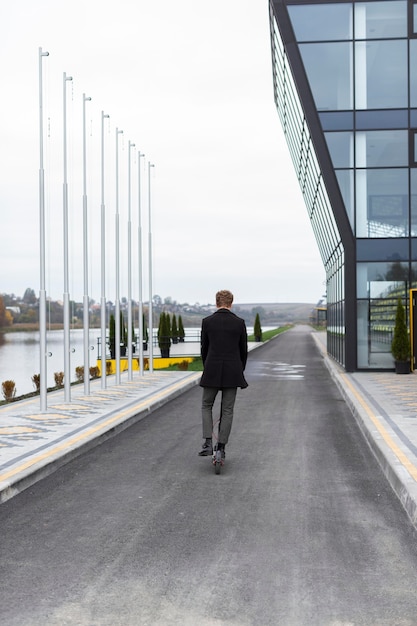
pixel 117 313
pixel 140 268
pixel 103 264
pixel 67 360
pixel 150 270
pixel 42 292
pixel 85 257
pixel 129 269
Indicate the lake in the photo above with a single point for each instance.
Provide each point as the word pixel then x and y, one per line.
pixel 19 355
pixel 20 360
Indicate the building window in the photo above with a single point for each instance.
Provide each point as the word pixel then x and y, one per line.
pixel 382 202
pixel 382 148
pixel 345 179
pixel 413 72
pixel 380 20
pixel 381 75
pixel 329 71
pixel 315 22
pixel 379 285
pixel 413 202
pixel 413 148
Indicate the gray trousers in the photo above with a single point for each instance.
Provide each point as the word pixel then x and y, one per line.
pixel 228 403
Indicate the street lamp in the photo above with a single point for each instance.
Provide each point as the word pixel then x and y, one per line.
pixel 150 270
pixel 85 257
pixel 103 263
pixel 67 360
pixel 129 269
pixel 140 268
pixel 117 313
pixel 42 293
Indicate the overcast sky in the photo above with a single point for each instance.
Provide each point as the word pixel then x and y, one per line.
pixel 190 84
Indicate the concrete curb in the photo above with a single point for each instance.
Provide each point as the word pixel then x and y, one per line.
pixel 382 440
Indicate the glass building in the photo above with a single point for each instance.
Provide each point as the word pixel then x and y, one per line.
pixel 345 87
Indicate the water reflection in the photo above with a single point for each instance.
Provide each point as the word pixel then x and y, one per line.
pixel 20 360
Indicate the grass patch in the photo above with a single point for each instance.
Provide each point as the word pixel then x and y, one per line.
pixel 268 334
pixel 196 365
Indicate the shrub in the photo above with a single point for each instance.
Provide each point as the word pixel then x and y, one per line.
pixel 400 346
pixel 108 368
pixel 174 329
pixel 9 390
pixel 112 335
pixel 79 373
pixel 59 379
pixel 164 333
pixel 93 372
pixel 145 330
pixel 181 332
pixel 257 330
pixel 183 366
pixel 36 379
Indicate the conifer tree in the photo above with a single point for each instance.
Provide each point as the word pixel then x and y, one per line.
pixel 174 329
pixel 257 330
pixel 181 332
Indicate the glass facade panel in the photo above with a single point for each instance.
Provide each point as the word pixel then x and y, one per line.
pixel 345 180
pixel 341 148
pixel 329 71
pixel 381 74
pixel 312 185
pixel 413 201
pixel 382 203
pixel 413 284
pixel 379 285
pixel 380 20
pixel 375 327
pixel 337 121
pixel 362 79
pixel 382 249
pixel 314 22
pixel 382 148
pixel 413 72
pixel 388 118
pixel 380 280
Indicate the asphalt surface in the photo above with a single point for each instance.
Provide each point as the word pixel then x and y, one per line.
pixel 301 528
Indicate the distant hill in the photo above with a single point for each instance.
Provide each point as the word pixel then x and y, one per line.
pixel 270 313
pixel 275 312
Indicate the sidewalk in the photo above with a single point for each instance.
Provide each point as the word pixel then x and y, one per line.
pixel 34 444
pixel 384 405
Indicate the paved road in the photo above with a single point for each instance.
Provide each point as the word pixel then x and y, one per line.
pixel 300 529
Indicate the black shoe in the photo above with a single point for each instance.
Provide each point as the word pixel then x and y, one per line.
pixel 207 449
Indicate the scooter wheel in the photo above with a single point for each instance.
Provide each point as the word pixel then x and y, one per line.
pixel 218 462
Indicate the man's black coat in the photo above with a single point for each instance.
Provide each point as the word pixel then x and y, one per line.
pixel 224 350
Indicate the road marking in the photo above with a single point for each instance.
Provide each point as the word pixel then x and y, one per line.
pixel 410 467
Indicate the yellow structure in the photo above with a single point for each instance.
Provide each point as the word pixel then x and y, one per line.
pixel 158 363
